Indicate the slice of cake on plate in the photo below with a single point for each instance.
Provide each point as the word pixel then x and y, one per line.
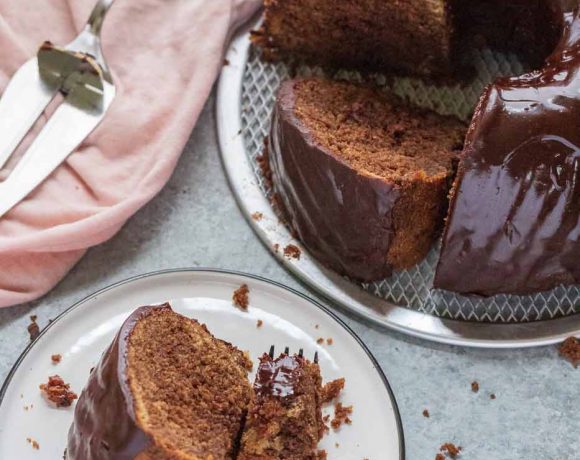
pixel 166 388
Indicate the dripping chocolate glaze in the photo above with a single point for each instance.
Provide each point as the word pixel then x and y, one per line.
pixel 104 425
pixel 514 220
pixel 278 377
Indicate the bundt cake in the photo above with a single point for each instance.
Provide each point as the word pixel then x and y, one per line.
pixel 164 389
pixel 361 178
pixel 514 219
pixel 421 37
pixel 285 418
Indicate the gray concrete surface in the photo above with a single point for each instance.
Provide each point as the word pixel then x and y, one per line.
pixel 196 222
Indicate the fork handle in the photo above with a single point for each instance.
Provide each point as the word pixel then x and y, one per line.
pixel 97 16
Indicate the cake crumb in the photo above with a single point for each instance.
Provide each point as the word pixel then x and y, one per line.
pixel 320 340
pixel 426 413
pixel 452 450
pixel 264 164
pixel 33 443
pixel 475 386
pixel 259 323
pixel 321 455
pixel 257 216
pixel 329 341
pixel 56 358
pixel 292 252
pixel 331 390
pixel 341 415
pixel 33 328
pixel 249 363
pixel 58 392
pixel 240 297
pixel 492 396
pixel 439 457
pixel 570 350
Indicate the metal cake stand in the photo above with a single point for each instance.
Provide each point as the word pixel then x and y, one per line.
pixel 405 302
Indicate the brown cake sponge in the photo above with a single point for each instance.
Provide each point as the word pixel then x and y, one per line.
pixel 361 177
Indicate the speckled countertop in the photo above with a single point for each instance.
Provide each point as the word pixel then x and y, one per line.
pixel 195 222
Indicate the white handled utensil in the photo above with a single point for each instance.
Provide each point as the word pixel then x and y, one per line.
pixel 80 73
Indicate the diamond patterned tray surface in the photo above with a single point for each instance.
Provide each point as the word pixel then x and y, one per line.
pixel 411 288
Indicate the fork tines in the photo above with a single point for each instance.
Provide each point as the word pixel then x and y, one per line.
pixel 287 352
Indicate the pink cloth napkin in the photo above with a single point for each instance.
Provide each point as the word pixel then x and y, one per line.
pixel 164 56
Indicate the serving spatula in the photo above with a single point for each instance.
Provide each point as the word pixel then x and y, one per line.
pixel 80 73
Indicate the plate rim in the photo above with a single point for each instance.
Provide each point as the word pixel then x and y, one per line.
pixel 195 270
pixel 227 110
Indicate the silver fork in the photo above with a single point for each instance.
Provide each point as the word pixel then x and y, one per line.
pixel 88 89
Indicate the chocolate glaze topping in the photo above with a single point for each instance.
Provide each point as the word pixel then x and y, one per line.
pixel 514 219
pixel 322 214
pixel 109 433
pixel 278 377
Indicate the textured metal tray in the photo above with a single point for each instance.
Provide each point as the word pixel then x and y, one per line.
pixel 406 300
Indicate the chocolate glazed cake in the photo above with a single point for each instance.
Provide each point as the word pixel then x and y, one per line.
pixel 164 389
pixel 514 219
pixel 285 418
pixel 361 178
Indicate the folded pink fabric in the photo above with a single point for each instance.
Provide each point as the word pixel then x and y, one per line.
pixel 164 56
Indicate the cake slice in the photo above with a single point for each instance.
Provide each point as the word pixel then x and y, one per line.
pixel 427 38
pixel 413 36
pixel 361 177
pixel 166 388
pixel 285 419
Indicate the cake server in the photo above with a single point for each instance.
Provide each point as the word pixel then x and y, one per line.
pixel 80 73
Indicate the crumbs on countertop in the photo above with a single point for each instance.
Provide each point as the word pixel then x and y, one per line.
pixel 570 350
pixel 451 449
pixel 33 328
pixel 475 386
pixel 240 297
pixel 58 392
pixel 426 413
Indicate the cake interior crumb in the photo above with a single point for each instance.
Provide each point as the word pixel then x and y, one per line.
pixel 451 449
pixel 58 392
pixel 331 390
pixel 341 415
pixel 292 251
pixel 56 358
pixel 33 328
pixel 33 443
pixel 257 216
pixel 241 297
pixel 570 350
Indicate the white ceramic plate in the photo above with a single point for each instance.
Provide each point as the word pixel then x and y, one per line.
pixel 82 333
